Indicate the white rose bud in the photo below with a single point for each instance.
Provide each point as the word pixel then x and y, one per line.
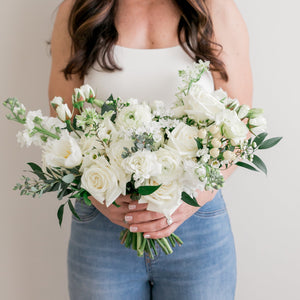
pixel 216 143
pixel 87 91
pixel 63 112
pixel 255 112
pixel 214 152
pixel 243 111
pixel 202 133
pixel 258 125
pixel 78 95
pixel 214 129
pixel 229 155
pixel 56 101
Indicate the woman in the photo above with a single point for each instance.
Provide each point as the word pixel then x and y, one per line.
pixel 149 41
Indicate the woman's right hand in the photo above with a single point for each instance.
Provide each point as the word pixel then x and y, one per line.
pixel 117 214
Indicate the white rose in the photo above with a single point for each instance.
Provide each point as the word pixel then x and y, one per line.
pixel 164 200
pixel 100 181
pixel 232 104
pixel 133 116
pixel 182 139
pixel 233 127
pixel 214 152
pixel 87 91
pixel 64 152
pixel 142 164
pixel 259 125
pixel 216 143
pixel 201 105
pixel 202 133
pixel 171 164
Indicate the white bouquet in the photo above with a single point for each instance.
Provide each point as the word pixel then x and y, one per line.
pixel 159 155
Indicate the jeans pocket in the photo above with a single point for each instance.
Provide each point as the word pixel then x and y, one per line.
pixel 86 213
pixel 213 208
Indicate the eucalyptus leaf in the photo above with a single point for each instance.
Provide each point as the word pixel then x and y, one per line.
pixel 246 166
pixel 148 189
pixel 37 170
pixel 260 138
pixel 260 164
pixel 270 143
pixel 189 200
pixel 68 178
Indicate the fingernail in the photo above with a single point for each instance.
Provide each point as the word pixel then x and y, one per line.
pixel 147 236
pixel 133 229
pixel 131 206
pixel 128 218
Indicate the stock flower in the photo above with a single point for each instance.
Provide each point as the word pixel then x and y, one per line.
pixel 182 139
pixel 100 180
pixel 64 152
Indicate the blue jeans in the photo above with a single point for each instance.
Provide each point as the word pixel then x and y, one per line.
pixel 204 268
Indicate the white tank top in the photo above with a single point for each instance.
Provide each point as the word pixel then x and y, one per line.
pixel 147 74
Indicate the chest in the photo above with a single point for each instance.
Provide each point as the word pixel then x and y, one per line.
pixel 151 24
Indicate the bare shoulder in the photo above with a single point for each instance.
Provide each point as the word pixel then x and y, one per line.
pixel 228 21
pixel 61 50
pixel 230 31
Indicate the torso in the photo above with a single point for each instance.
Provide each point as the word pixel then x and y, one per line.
pixel 149 53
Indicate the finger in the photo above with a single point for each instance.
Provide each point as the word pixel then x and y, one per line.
pixel 123 199
pixel 165 232
pixel 135 206
pixel 142 216
pixel 155 225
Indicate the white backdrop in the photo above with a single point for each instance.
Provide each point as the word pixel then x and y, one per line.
pixel 264 210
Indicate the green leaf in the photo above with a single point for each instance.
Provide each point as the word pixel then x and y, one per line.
pixel 260 138
pixel 73 209
pixel 116 205
pixel 189 200
pixel 68 178
pixel 199 143
pixel 37 170
pixel 86 199
pixel 60 213
pixel 148 189
pixel 260 164
pixel 245 165
pixel 270 143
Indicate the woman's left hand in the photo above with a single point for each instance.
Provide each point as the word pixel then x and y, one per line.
pixel 154 225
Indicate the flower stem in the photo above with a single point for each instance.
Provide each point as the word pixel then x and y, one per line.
pixel 46 132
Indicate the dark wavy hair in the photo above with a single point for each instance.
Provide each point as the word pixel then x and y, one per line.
pixel 93 33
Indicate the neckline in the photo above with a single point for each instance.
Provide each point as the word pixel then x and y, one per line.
pixel 147 49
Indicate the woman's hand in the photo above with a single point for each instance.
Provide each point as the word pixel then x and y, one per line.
pixel 154 225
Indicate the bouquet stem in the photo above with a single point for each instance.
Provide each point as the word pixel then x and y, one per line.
pixel 137 242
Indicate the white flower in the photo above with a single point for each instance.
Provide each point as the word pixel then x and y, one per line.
pixel 220 95
pixel 78 95
pixel 182 139
pixel 216 143
pixel 202 133
pixel 63 112
pixel 100 181
pixel 171 164
pixel 31 115
pixel 87 91
pixel 193 178
pixel 201 105
pixel 214 152
pixel 57 101
pixel 229 155
pixel 133 116
pixel 259 125
pixel 62 153
pixel 214 129
pixel 142 164
pixel 232 104
pixel 166 199
pixel 243 111
pixel 233 127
